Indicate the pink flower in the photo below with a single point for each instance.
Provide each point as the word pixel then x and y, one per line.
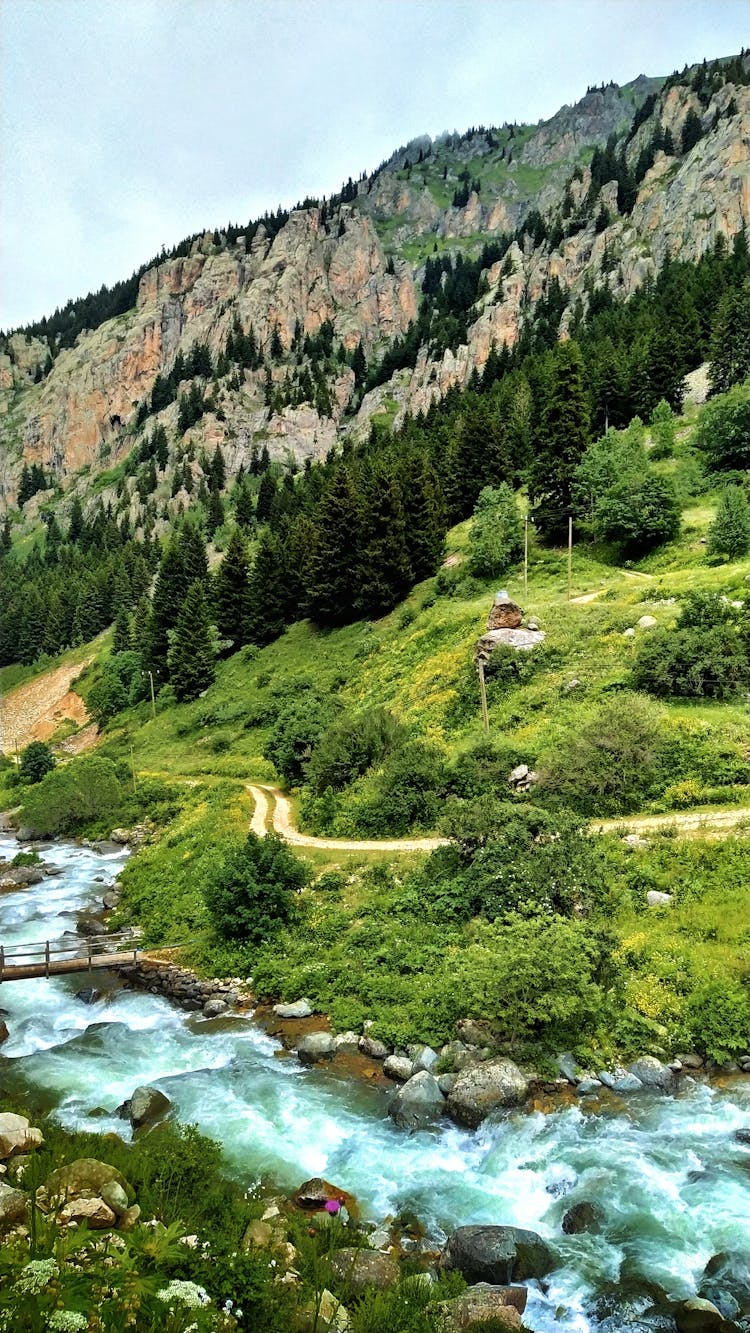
pixel 332 1206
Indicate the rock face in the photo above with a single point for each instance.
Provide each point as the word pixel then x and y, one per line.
pixel 497 1254
pixel 484 1088
pixel 418 1103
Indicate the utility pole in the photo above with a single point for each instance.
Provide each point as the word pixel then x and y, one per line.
pixel 570 556
pixel 526 556
pixel 153 700
pixel 483 697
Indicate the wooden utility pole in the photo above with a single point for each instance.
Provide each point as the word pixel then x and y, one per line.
pixel 570 556
pixel 483 697
pixel 153 700
pixel 526 556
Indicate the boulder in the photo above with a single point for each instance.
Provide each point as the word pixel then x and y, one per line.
pixel 620 1080
pixel 482 1303
pixel 94 1212
pixel 111 899
pixel 147 1105
pixel 377 1050
pixel 297 1009
pixel 653 1074
pixel 17 1136
pixel 424 1058
pixel 4 1033
pixel 646 622
pixel 484 1088
pixel 656 899
pixel 497 1254
pixel 129 1218
pixel 742 1136
pixel 398 1067
pixel 13 1205
pixel 316 1193
pixel 88 924
pixel 89 995
pixel 115 1197
pixel 583 1216
pixel 258 1235
pixel 418 1103
pixel 690 1060
pixel 347 1041
pixel 364 1268
pixel 698 1316
pixel 567 1064
pixel 213 1008
pixel 316 1046
pixel 19 877
pixel 475 1032
pixel 85 1178
pixel 587 1085
pixel 505 614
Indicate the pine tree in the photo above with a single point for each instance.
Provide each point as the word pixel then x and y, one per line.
pixel 385 571
pixel 662 430
pixel 334 562
pixel 243 506
pixel 730 340
pixel 425 516
pixel 191 656
pixel 266 592
pixel 76 526
pixel 122 640
pixel 359 364
pixel 562 441
pixel 160 447
pixel 231 591
pixel 192 549
pixel 215 513
pixel 692 131
pixel 729 534
pixel 218 471
pixel 6 540
pixel 169 593
pixel 266 493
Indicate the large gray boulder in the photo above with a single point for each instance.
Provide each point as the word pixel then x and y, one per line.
pixel 480 1304
pixel 498 1255
pixel 17 1136
pixel 418 1103
pixel 484 1088
pixel 316 1046
pixel 620 1080
pixel 295 1009
pixel 147 1105
pixel 653 1074
pixel 398 1067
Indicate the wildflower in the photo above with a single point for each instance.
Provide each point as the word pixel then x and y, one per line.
pixel 35 1276
pixel 187 1293
pixel 67 1321
pixel 332 1206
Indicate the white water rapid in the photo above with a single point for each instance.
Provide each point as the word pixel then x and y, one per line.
pixel 673 1181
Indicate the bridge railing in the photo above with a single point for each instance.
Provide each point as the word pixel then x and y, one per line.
pixel 48 952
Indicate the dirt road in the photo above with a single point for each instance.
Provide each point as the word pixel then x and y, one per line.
pixel 713 822
pixel 34 711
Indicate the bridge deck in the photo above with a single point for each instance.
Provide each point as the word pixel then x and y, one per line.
pixel 54 958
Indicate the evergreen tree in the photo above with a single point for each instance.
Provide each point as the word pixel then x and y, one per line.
pixel 562 441
pixel 385 572
pixel 6 540
pixel 266 493
pixel 160 447
pixel 243 505
pixel 192 549
pixel 359 364
pixel 266 592
pixel 218 472
pixel 692 131
pixel 76 526
pixel 424 514
pixel 231 591
pixel 122 641
pixel 730 342
pixel 215 513
pixel 276 350
pixel 334 562
pixel 662 430
pixel 191 656
pixel 169 593
pixel 729 534
pixel 496 533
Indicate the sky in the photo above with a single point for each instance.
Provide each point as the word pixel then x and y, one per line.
pixel 126 125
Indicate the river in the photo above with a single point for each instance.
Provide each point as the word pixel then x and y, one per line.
pixel 672 1179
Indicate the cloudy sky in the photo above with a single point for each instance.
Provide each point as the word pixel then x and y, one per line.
pixel 128 124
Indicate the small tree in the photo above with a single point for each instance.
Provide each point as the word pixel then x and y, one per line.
pixel 36 760
pixel 251 893
pixel 496 535
pixel 639 513
pixel 729 533
pixel 192 650
pixel 662 430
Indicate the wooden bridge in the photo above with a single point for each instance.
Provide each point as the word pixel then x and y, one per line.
pixel 55 958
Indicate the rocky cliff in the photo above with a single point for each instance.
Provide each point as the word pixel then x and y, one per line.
pixel 353 271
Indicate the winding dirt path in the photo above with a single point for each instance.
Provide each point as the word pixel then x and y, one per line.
pixel 283 823
pixel 713 822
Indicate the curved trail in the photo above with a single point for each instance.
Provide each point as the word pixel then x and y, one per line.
pixel 689 821
pixel 283 823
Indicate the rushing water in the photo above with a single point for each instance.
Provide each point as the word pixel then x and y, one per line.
pixel 672 1179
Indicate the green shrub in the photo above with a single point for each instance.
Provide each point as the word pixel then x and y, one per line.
pixel 299 726
pixel 638 513
pixel 350 746
pixel 705 656
pixel 71 797
pixel 496 533
pixel 717 1020
pixel 729 533
pixel 250 892
pixel 723 430
pixel 613 761
pixel 36 761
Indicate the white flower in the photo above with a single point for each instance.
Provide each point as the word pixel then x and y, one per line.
pixel 188 1293
pixel 36 1275
pixel 67 1321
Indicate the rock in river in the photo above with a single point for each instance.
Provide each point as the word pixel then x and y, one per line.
pixel 418 1103
pixel 483 1088
pixel 499 1255
pixel 316 1046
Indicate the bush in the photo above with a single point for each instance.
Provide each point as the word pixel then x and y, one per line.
pixel 729 533
pixel 350 746
pixel 250 893
pixel 298 728
pixel 409 791
pixel 717 1020
pixel 121 682
pixel 69 798
pixel 705 656
pixel 496 533
pixel 614 761
pixel 723 431
pixel 638 513
pixel 36 761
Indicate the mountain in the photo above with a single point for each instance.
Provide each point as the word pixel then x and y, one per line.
pixel 305 327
